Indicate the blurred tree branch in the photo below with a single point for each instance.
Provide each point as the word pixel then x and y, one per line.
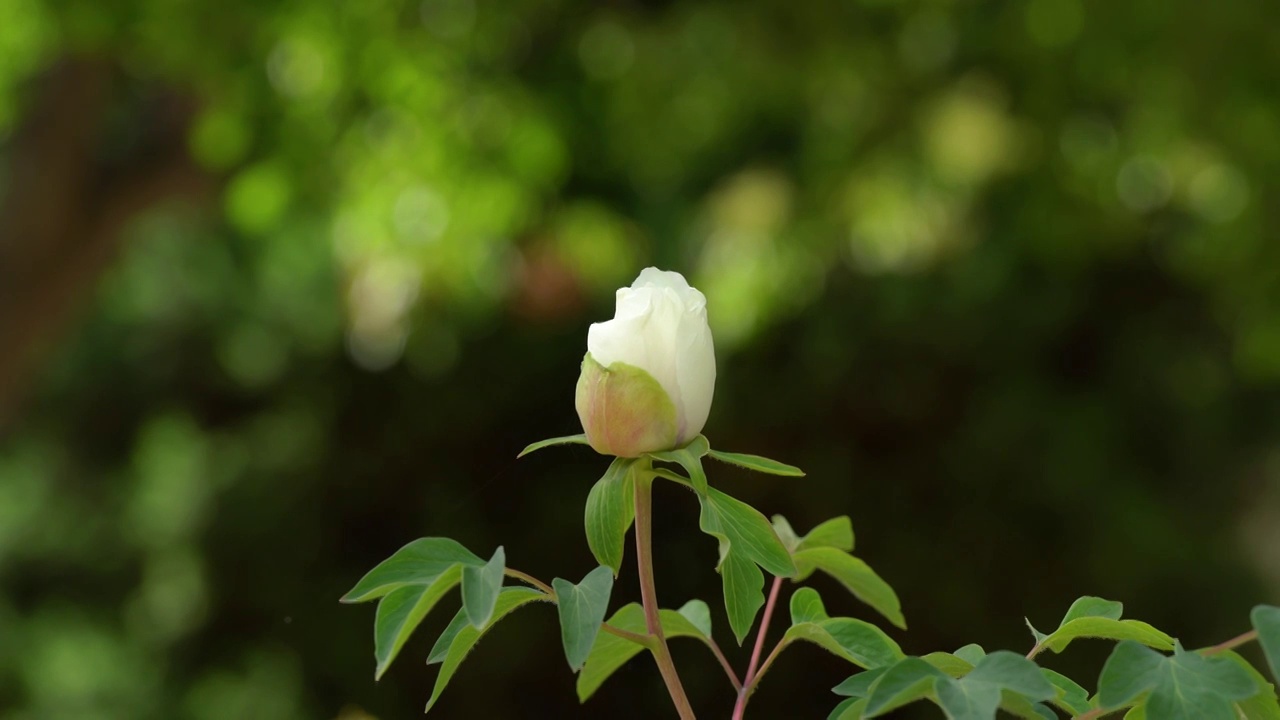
pixel 73 188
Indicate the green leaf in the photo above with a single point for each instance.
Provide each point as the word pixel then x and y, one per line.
pixel 977 695
pixel 689 457
pixel 785 533
pixel 580 439
pixel 418 563
pixel 1263 705
pixel 1106 629
pixel 746 540
pixel 850 709
pixel 467 637
pixel 835 533
pixel 1089 606
pixel 1184 686
pixel 1011 671
pixel 611 508
pixel 806 606
pixel 967 701
pixel 698 614
pixel 1266 620
pixel 859 684
pixel 1015 704
pixel 861 643
pixel 757 463
pixel 401 611
pixel 857 577
pixel 952 665
pixel 742 582
pixel 1137 712
pixel 907 681
pixel 1068 694
pixel 611 652
pixel 971 653
pixel 441 647
pixel 480 587
pixel 582 608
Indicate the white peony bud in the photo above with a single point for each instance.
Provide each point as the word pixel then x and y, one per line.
pixel 650 372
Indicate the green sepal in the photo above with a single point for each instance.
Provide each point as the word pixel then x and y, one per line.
pixel 579 439
pixel 689 457
pixel 757 463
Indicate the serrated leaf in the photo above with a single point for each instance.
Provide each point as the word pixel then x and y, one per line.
pixel 1185 686
pixel 971 653
pixel 834 533
pixel 757 463
pixel 1266 620
pixel 1089 606
pixel 580 439
pixel 582 608
pixel 952 665
pixel 697 613
pixel 859 684
pixel 857 577
pixel 1068 694
pixel 746 540
pixel 861 643
pixel 611 652
pixel 689 457
pixel 907 681
pixel 850 709
pixel 480 587
pixel 1263 704
pixel 402 610
pixel 806 606
pixel 467 637
pixel 418 563
pixel 1106 629
pixel 610 510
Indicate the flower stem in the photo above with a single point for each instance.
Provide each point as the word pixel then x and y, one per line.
pixel 749 680
pixel 1231 644
pixel 648 594
pixel 529 580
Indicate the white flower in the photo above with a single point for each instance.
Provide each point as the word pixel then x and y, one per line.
pixel 650 372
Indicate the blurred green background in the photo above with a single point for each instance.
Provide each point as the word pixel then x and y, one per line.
pixel 285 285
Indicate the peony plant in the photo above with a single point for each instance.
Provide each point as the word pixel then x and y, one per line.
pixel 643 397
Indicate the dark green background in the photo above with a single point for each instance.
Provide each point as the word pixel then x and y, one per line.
pixel 1003 277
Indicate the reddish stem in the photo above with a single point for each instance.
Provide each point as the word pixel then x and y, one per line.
pixel 749 680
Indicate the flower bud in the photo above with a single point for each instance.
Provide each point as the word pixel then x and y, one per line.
pixel 649 374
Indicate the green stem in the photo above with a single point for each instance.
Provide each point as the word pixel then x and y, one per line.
pixel 648 593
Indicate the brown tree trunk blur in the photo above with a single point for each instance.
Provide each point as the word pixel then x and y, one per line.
pixel 72 190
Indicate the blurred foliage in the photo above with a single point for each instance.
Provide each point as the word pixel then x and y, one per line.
pixel 1002 277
